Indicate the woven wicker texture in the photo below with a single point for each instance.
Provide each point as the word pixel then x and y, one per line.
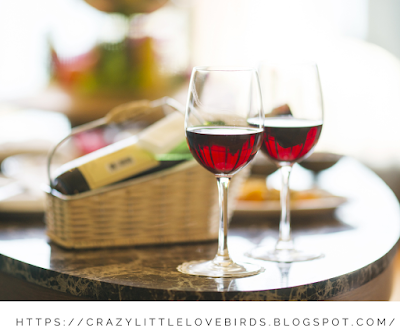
pixel 176 205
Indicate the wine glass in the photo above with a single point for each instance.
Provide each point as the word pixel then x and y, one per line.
pixel 318 162
pixel 220 101
pixel 292 126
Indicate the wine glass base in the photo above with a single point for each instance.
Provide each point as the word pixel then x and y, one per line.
pixel 283 256
pixel 210 269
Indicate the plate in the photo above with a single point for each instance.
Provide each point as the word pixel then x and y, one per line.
pixel 23 203
pixel 297 207
pixel 21 185
pixel 30 131
pixel 15 197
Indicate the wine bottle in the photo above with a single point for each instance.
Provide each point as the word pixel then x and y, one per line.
pixel 159 146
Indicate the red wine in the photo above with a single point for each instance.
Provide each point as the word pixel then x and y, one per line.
pixel 223 150
pixel 288 139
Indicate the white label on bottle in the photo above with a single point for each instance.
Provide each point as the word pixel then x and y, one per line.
pixel 117 166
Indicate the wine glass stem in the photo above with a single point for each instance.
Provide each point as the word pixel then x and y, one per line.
pixel 222 258
pixel 285 239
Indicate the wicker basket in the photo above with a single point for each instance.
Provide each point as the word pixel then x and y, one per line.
pixel 179 204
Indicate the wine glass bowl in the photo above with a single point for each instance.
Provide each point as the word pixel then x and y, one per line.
pixel 220 103
pixel 292 126
pixel 288 140
pixel 223 151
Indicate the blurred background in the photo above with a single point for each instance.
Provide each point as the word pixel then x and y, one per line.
pixel 67 62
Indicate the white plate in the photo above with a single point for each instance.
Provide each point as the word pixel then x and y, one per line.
pixel 23 203
pixel 30 131
pixel 303 207
pixel 21 189
pixel 15 197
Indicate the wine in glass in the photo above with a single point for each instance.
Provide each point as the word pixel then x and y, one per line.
pixel 220 101
pixel 292 126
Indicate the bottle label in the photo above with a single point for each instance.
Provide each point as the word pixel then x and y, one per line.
pixel 123 163
pixel 117 166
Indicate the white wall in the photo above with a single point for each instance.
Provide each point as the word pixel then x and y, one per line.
pixel 384 24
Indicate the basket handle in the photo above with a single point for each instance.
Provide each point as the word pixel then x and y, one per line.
pixel 119 114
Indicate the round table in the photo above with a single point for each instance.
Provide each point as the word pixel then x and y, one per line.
pixel 359 241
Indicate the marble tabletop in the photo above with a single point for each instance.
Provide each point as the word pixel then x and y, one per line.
pixel 359 240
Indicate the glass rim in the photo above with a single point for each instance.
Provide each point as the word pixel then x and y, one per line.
pixel 224 68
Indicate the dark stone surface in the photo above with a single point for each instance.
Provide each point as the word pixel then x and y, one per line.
pixel 359 240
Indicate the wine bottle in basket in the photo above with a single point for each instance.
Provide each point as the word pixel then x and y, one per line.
pixel 159 146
